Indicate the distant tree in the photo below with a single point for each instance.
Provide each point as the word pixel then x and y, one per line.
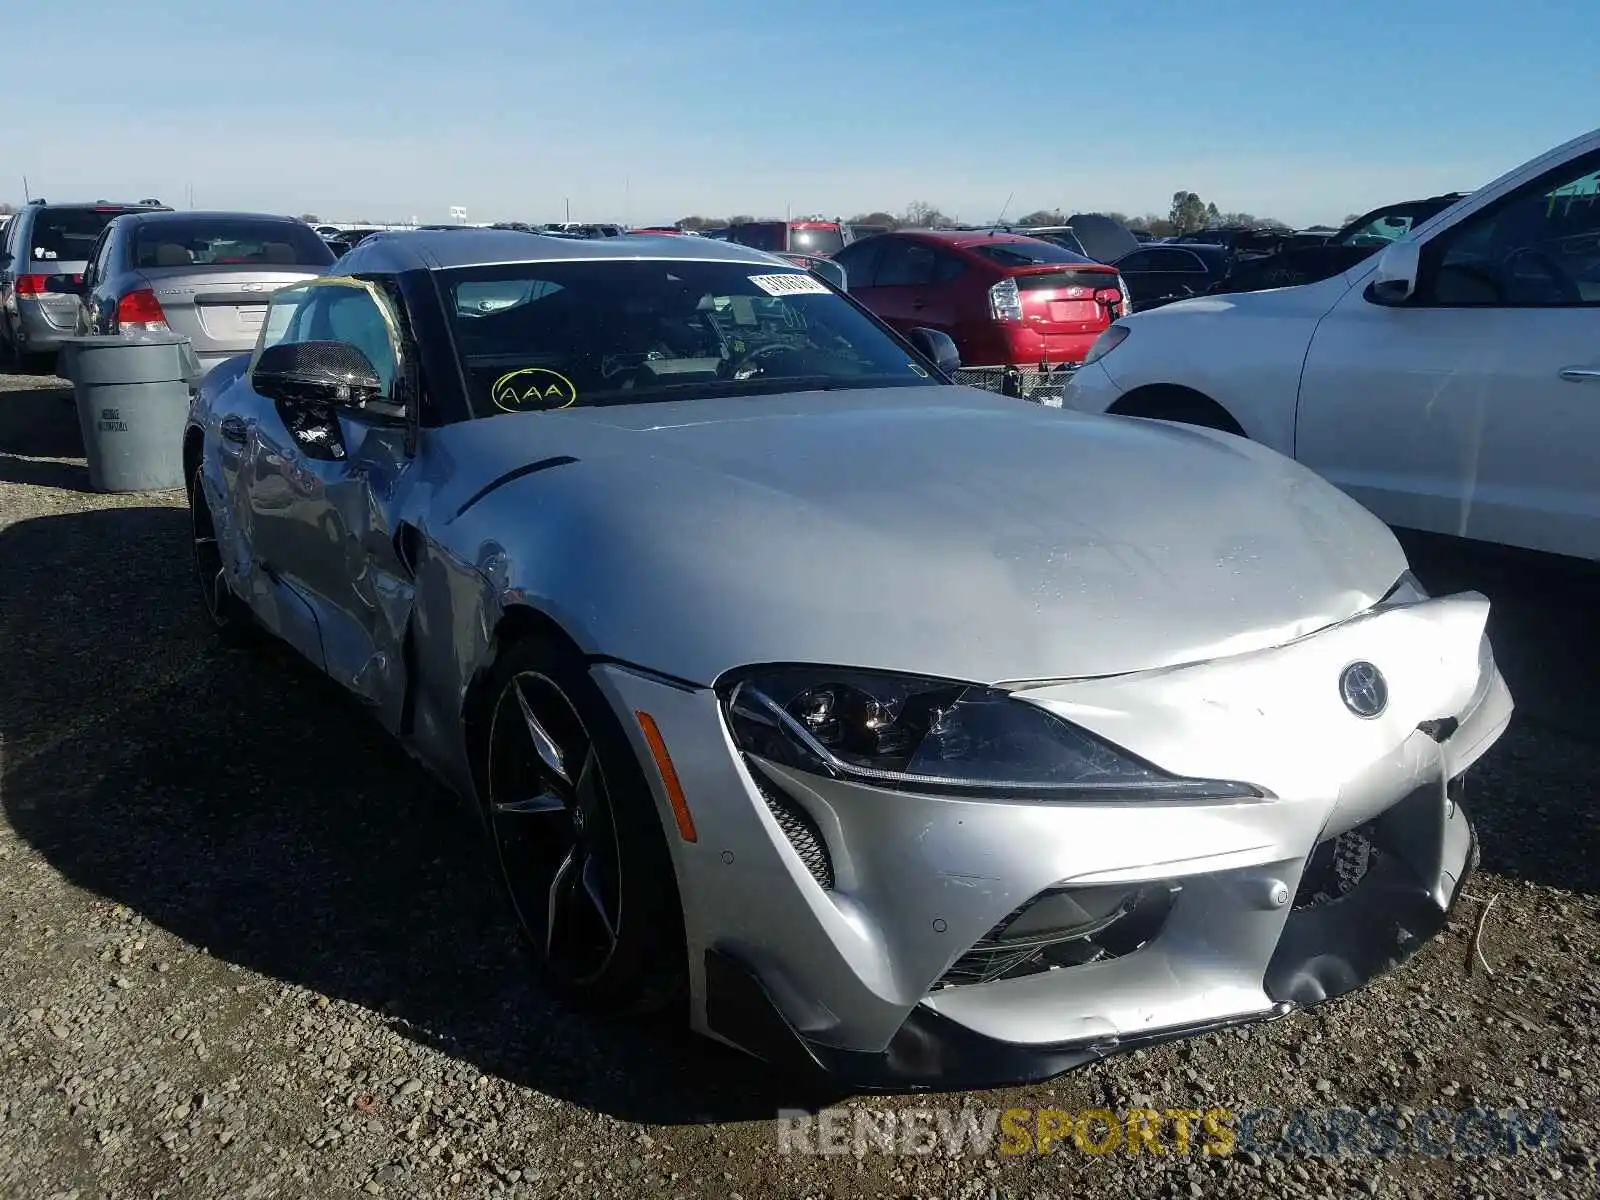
pixel 920 214
pixel 7 209
pixel 1120 218
pixel 1348 217
pixel 1322 229
pixel 310 218
pixel 1188 212
pixel 1043 216
pixel 1152 223
pixel 699 222
pixel 1212 215
pixel 888 220
pixel 740 219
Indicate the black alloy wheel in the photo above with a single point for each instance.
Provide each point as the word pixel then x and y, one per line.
pixel 580 849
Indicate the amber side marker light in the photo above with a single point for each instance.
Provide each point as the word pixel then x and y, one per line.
pixel 669 776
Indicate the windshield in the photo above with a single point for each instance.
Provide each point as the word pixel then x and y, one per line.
pixel 540 336
pixel 1389 225
pixel 819 240
pixel 68 234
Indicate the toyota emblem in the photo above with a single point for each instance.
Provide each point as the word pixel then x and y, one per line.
pixel 1364 690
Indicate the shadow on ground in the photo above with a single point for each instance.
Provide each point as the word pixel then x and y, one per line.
pixel 247 806
pixel 37 426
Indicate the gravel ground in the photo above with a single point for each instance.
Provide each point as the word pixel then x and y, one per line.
pixel 249 951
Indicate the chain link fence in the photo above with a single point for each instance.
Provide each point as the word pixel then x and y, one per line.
pixel 1043 385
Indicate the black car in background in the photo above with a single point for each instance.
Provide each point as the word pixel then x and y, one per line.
pixel 1357 241
pixel 1161 274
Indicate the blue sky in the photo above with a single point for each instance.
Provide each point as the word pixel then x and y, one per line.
pixel 646 112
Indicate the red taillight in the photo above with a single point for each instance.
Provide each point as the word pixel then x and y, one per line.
pixel 32 285
pixel 140 310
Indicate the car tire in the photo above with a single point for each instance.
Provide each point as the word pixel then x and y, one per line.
pixel 575 835
pixel 225 612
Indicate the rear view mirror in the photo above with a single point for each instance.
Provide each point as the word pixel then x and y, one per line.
pixel 1396 276
pixel 938 348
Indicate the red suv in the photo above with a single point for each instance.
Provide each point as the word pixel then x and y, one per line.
pixel 820 239
pixel 1004 299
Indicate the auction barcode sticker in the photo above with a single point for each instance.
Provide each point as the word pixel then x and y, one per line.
pixel 790 283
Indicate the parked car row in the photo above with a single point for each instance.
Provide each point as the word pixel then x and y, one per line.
pixel 103 268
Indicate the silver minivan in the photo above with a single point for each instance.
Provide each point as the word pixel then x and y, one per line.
pixel 43 252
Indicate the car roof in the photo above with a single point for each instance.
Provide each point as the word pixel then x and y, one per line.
pixel 164 215
pixel 967 237
pixel 1203 249
pixel 435 250
pixel 136 205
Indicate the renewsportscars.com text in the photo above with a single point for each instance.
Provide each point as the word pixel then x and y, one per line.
pixel 1333 1132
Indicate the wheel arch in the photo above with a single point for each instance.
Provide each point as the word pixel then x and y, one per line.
pixel 516 623
pixel 193 448
pixel 1175 402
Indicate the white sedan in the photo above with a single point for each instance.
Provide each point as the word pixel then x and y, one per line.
pixel 1451 384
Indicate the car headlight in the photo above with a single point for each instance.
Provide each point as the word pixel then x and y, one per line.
pixel 922 734
pixel 1108 341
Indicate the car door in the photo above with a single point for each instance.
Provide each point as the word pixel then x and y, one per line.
pixel 860 263
pixel 1161 276
pixel 324 487
pixel 1473 407
pixel 903 284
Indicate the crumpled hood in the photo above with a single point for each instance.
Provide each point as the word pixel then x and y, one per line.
pixel 943 531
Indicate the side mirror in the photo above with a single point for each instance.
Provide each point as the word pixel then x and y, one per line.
pixel 938 347
pixel 332 373
pixel 1395 279
pixel 831 272
pixel 5 260
pixel 824 269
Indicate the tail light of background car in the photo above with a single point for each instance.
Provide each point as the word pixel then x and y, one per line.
pixel 1005 301
pixel 38 285
pixel 141 310
pixel 1127 296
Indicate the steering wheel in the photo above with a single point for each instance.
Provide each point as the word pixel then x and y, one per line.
pixel 754 357
pixel 1566 287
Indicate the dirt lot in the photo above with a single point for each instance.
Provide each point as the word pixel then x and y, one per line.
pixel 249 951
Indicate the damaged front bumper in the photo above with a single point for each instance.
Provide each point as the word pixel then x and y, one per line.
pixel 903 941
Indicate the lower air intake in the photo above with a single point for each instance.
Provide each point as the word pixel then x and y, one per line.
pixel 799 828
pixel 1063 928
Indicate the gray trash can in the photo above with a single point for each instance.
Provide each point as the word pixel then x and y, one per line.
pixel 132 396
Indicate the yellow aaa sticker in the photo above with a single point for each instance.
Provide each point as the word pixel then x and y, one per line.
pixel 532 389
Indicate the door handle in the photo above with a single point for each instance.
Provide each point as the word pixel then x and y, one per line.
pixel 234 429
pixel 1581 374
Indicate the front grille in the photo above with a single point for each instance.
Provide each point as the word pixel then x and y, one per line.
pixel 1024 943
pixel 1337 866
pixel 799 828
pixel 1045 384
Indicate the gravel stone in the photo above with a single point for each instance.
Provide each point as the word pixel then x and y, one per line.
pixel 250 951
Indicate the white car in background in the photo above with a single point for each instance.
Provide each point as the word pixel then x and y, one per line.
pixel 1451 383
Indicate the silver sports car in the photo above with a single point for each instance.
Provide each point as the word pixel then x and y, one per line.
pixel 912 732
